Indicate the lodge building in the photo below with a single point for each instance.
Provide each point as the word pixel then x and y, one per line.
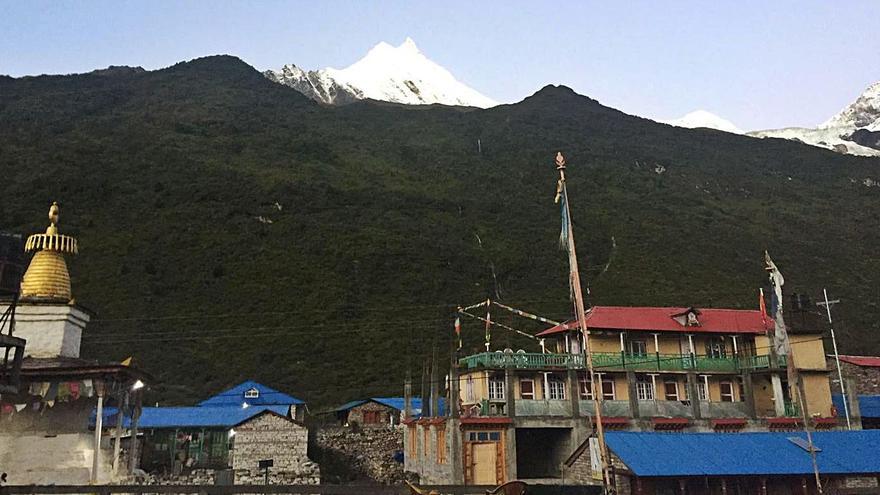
pixel 525 415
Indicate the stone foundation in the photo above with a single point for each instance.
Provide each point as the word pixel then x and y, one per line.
pixel 353 454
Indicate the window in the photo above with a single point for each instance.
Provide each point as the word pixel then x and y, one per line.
pixel 715 347
pixel 670 387
pixel 252 394
pixel 372 417
pixel 441 445
pixel 576 345
pixel 484 436
pixel 741 388
pixel 556 388
pixel 527 389
pixel 426 439
pixel 644 388
pixel 726 391
pixel 607 388
pixel 469 388
pixel 496 387
pixel 586 388
pixel 638 347
pixel 703 389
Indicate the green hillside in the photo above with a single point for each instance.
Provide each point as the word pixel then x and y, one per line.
pixel 230 228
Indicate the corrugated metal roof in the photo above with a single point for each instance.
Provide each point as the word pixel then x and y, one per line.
pixel 864 361
pixel 661 320
pixel 869 405
pixel 744 454
pixel 188 417
pixel 235 396
pixel 394 403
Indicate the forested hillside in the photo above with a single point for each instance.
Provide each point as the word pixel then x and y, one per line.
pixel 230 228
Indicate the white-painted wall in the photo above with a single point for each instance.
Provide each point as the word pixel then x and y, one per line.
pixel 51 330
pixel 64 459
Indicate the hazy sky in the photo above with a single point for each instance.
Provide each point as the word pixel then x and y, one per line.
pixel 760 64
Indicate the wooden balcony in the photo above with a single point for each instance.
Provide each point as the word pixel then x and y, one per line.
pixel 617 361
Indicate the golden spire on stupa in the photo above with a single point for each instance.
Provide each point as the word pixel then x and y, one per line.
pixel 47 277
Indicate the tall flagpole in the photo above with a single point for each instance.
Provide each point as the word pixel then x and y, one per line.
pixel 577 297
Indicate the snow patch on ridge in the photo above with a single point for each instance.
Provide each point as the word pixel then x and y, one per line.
pixel 703 118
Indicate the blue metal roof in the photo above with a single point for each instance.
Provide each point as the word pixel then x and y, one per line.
pixel 200 417
pixel 235 396
pixel 869 405
pixel 393 402
pixel 188 417
pixel 745 454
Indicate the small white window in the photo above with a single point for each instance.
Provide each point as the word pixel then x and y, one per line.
pixel 527 389
pixel 586 386
pixel 670 387
pixel 638 347
pixel 496 388
pixel 607 388
pixel 703 389
pixel 556 388
pixel 644 388
pixel 726 391
pixel 252 394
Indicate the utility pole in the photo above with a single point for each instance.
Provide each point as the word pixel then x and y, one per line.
pixel 567 237
pixel 827 305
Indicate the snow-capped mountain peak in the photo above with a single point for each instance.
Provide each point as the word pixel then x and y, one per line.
pixel 855 130
pixel 401 74
pixel 703 118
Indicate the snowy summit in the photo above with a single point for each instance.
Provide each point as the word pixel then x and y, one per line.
pixel 855 130
pixel 702 118
pixel 401 74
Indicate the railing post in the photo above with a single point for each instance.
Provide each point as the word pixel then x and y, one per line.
pixel 623 359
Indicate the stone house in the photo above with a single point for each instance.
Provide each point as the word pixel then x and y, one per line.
pixel 272 436
pixel 377 412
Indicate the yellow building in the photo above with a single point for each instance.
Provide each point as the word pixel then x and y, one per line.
pixel 523 414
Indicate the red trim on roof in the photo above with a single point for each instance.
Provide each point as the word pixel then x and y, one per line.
pixel 662 320
pixel 783 423
pixel 486 421
pixel 824 423
pixel 729 423
pixel 669 423
pixel 867 361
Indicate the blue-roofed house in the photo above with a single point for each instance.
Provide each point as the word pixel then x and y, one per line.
pixel 380 411
pixel 177 439
pixel 648 463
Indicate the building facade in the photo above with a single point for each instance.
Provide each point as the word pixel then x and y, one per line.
pixel 522 415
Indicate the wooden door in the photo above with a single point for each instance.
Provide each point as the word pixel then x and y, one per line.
pixel 484 464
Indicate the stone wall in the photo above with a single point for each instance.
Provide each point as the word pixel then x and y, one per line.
pixel 270 436
pixel 867 379
pixel 358 454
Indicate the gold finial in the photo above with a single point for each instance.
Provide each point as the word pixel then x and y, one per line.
pixel 560 161
pixel 47 277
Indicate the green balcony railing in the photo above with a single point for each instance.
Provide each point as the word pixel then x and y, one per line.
pixel 617 361
pixel 522 360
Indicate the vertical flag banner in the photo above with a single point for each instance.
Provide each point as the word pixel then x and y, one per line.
pixel 458 329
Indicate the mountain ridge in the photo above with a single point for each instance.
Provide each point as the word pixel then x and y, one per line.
pixel 232 228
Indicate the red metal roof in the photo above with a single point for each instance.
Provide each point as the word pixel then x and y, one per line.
pixel 662 320
pixel 868 361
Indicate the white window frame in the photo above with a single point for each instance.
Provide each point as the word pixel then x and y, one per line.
pixel 644 388
pixel 666 391
pixel 556 388
pixel 496 388
pixel 605 396
pixel 643 344
pixel 731 395
pixel 252 393
pixel 522 394
pixel 585 386
pixel 703 389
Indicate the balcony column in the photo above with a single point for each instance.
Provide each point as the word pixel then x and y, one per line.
pixel 657 349
pixel 509 378
pixel 692 350
pixel 693 394
pixel 574 386
pixel 633 396
pixel 748 390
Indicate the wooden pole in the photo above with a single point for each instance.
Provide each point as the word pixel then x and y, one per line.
pixel 99 426
pixel 575 281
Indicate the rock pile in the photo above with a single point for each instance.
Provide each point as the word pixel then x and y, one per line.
pixel 353 454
